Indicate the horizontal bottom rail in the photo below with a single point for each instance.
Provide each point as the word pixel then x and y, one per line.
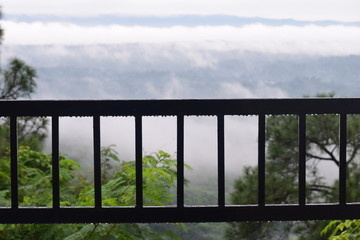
pixel 186 214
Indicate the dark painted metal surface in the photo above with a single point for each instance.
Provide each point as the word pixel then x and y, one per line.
pixel 261 160
pixel 180 161
pixel 175 107
pixel 343 165
pixel 14 162
pixel 174 214
pixel 138 161
pixel 55 161
pixel 180 212
pixel 221 160
pixel 97 160
pixel 302 159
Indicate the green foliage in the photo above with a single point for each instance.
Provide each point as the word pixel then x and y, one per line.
pixel 109 157
pixel 247 185
pixel 159 175
pixel 34 169
pixel 322 134
pixel 277 191
pixel 343 230
pixel 31 132
pixel 18 81
pixel 118 188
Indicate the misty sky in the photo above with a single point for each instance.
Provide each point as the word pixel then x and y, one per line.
pixel 310 27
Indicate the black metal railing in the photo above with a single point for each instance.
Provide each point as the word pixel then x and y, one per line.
pixel 179 108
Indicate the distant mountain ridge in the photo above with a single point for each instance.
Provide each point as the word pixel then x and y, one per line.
pixel 168 21
pixel 181 71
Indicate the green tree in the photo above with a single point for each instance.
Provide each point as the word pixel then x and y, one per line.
pixel 35 178
pixel 322 134
pixel 17 81
pixel 35 189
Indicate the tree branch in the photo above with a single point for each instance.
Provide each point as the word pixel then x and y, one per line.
pixel 322 147
pixel 321 188
pixel 323 158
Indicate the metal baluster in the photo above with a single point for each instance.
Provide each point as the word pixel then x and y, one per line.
pixel 221 161
pixel 261 161
pixel 55 161
pixel 14 162
pixel 302 159
pixel 180 161
pixel 342 169
pixel 97 161
pixel 138 159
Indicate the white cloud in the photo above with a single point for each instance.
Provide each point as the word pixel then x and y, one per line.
pixel 342 10
pixel 237 90
pixel 310 39
pixel 174 88
pixel 200 58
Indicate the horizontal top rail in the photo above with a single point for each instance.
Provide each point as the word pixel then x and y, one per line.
pixel 38 108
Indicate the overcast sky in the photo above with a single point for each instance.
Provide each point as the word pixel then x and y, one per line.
pixel 340 10
pixel 310 27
